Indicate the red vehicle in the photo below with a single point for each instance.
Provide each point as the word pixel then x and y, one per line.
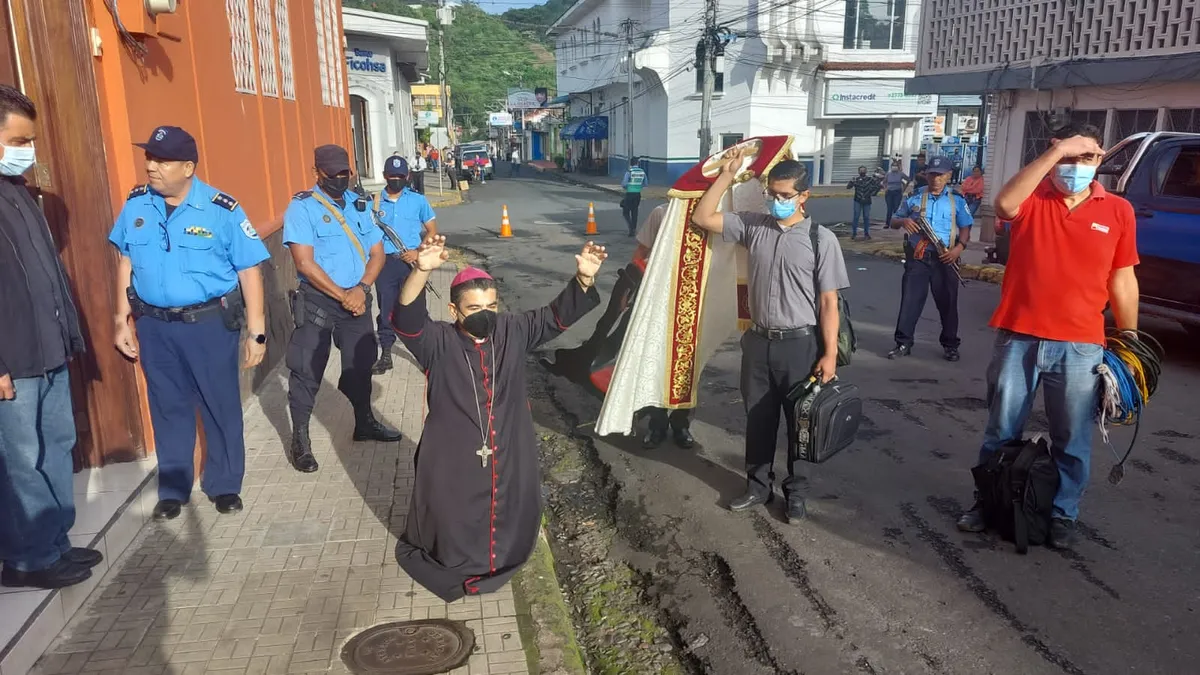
pixel 477 163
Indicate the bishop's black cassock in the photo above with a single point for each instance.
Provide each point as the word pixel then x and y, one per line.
pixel 474 517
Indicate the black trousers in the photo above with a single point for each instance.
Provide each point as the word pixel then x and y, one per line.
pixel 387 289
pixel 770 369
pixel 892 198
pixel 418 182
pixel 661 418
pixel 308 352
pixel 629 209
pixel 920 277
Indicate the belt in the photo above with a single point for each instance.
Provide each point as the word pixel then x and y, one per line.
pixel 781 334
pixel 395 255
pixel 189 314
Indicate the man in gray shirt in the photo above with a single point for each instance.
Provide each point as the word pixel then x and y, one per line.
pixel 795 317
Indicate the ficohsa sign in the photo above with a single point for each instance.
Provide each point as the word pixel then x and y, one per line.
pixel 364 60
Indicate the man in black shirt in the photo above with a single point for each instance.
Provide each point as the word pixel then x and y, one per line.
pixel 39 332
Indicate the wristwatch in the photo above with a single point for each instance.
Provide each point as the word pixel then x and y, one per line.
pixel 260 339
pixel 365 288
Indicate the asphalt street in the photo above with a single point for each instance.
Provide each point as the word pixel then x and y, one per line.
pixel 877 580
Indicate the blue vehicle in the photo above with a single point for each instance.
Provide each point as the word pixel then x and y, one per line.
pixel 1159 173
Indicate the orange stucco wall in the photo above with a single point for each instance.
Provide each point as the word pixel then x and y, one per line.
pixel 254 147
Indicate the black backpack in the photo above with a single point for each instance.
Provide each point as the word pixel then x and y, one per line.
pixel 1016 488
pixel 847 340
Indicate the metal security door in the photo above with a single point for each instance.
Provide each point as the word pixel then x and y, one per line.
pixel 856 143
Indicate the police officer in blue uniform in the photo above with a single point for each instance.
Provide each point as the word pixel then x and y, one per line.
pixel 338 251
pixel 924 269
pixel 189 266
pixel 406 218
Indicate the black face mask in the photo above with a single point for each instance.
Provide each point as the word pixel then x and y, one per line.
pixel 396 185
pixel 334 185
pixel 862 174
pixel 481 324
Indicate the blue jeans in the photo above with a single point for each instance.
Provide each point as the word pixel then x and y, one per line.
pixel 37 497
pixel 1071 390
pixel 862 211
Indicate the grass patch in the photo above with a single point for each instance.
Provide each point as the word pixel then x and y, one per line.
pixel 543 617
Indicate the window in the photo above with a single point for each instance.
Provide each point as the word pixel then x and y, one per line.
pixel 718 78
pixel 238 13
pixel 263 35
pixel 1179 173
pixel 1038 129
pixel 1130 122
pixel 730 140
pixel 283 29
pixel 322 67
pixel 1185 120
pixel 874 24
pixel 335 57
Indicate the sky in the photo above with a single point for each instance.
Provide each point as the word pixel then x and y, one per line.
pixel 501 6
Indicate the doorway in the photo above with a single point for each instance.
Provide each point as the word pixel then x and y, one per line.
pixel 360 128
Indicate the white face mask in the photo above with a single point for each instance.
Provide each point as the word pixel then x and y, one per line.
pixel 16 161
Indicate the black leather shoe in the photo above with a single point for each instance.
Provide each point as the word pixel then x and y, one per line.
pixel 227 503
pixel 167 509
pixel 83 557
pixel 654 438
pixel 796 510
pixel 952 353
pixel 371 429
pixel 750 500
pixel 683 438
pixel 300 454
pixel 59 575
pixel 383 365
pixel 900 352
pixel 1062 534
pixel 972 521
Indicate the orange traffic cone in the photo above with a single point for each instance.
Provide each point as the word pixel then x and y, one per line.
pixel 591 225
pixel 505 226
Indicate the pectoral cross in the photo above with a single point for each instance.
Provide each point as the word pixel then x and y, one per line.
pixel 484 453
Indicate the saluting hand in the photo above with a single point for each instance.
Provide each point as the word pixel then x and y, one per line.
pixel 253 353
pixel 126 342
pixel 588 261
pixel 1077 146
pixel 432 253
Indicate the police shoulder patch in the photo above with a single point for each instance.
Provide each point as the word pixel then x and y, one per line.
pixel 224 201
pixel 248 229
pixel 138 191
pixel 303 194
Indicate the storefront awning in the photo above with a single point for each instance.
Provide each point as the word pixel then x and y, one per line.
pixel 587 129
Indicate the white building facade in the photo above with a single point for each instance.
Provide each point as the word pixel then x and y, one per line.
pixel 385 56
pixel 1125 67
pixel 831 73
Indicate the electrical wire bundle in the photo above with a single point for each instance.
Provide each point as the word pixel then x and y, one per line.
pixel 1129 377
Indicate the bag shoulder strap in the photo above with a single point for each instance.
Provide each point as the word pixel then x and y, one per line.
pixel 341 219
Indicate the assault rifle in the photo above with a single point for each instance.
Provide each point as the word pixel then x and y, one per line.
pixel 392 237
pixel 926 231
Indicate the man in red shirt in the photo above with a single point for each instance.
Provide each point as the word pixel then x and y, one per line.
pixel 1072 250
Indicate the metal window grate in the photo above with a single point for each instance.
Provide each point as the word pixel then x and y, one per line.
pixel 283 30
pixel 1184 119
pixel 1039 128
pixel 336 57
pixel 322 32
pixel 264 36
pixel 238 13
pixel 976 34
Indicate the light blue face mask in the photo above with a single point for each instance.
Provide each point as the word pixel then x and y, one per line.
pixel 782 210
pixel 1072 178
pixel 16 160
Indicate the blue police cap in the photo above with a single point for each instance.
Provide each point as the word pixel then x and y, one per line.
pixel 395 166
pixel 939 164
pixel 171 144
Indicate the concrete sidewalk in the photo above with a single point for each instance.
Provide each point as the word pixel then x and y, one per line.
pixel 281 586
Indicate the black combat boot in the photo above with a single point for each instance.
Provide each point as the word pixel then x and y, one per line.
pixel 300 454
pixel 367 428
pixel 383 365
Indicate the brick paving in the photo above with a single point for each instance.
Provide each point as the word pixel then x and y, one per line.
pixel 280 587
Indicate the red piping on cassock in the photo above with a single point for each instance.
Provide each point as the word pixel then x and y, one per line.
pixel 490 441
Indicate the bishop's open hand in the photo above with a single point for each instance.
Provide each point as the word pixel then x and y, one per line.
pixel 432 253
pixel 588 261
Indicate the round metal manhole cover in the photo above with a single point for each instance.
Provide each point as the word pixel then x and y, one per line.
pixel 409 648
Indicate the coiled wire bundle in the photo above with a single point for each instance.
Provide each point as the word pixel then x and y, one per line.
pixel 1128 378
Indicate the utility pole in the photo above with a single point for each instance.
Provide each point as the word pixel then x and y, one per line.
pixel 627 25
pixel 708 53
pixel 444 18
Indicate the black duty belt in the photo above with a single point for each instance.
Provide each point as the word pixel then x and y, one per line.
pixel 781 334
pixel 189 314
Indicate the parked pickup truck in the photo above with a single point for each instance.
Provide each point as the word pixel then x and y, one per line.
pixel 1159 173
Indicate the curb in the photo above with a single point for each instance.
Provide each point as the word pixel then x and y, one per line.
pixel 992 274
pixel 543 616
pixel 454 200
